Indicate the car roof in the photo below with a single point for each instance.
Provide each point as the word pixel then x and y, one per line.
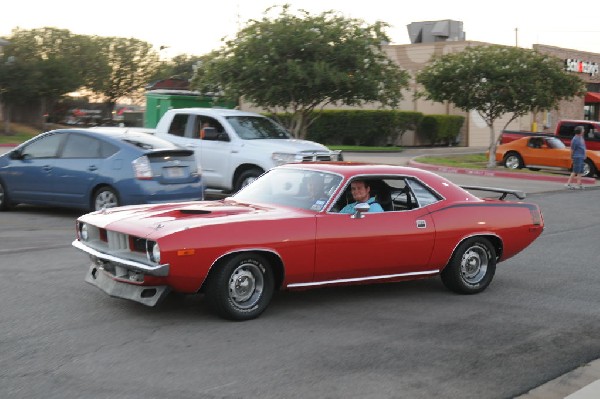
pixel 349 169
pixel 219 112
pixel 119 134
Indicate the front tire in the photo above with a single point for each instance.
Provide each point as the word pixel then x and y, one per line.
pixel 513 160
pixel 105 197
pixel 246 177
pixel 241 288
pixel 472 266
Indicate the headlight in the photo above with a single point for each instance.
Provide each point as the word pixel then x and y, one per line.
pixel 280 158
pixel 84 232
pixel 153 252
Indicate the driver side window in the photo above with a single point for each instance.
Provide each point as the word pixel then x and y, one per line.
pixel 209 129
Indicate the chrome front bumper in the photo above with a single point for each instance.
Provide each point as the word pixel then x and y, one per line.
pixel 158 270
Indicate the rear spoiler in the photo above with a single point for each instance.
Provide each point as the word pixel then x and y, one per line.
pixel 518 194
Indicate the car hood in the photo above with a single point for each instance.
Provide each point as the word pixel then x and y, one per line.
pixel 153 221
pixel 290 146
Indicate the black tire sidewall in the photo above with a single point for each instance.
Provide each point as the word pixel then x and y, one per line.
pixel 451 276
pixel 254 172
pixel 592 168
pixel 217 293
pixel 100 190
pixel 516 155
pixel 5 200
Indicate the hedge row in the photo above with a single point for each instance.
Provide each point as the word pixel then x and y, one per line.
pixel 380 127
pixel 441 129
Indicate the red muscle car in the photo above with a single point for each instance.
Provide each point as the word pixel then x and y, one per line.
pixel 285 231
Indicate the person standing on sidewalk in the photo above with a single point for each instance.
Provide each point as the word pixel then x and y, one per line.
pixel 578 156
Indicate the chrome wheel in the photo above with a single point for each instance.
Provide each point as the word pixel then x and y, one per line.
pixel 513 161
pixel 474 264
pixel 246 285
pixel 105 198
pixel 240 287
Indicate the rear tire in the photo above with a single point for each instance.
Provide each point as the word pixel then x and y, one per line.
pixel 589 169
pixel 472 266
pixel 513 160
pixel 241 288
pixel 4 200
pixel 104 197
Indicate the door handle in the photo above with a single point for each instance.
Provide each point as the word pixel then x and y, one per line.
pixel 46 168
pixel 92 168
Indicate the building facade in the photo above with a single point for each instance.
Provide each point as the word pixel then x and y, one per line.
pixel 414 57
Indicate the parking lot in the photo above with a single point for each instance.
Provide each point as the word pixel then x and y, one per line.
pixel 63 338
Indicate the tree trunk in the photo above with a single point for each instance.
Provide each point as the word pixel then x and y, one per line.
pixel 492 148
pixel 6 117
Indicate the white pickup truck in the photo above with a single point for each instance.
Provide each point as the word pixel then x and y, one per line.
pixel 233 147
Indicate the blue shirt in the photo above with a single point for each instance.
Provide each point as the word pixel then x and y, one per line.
pixel 577 147
pixel 375 207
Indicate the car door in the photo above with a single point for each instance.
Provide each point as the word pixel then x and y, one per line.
pixel 76 169
pixel 378 244
pixel 32 169
pixel 215 148
pixel 540 153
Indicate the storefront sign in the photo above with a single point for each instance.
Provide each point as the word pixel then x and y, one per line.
pixel 573 65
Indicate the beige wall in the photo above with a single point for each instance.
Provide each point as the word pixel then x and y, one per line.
pixel 414 57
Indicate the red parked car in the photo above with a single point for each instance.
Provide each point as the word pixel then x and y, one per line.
pixel 284 231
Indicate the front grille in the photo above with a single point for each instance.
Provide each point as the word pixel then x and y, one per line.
pixel 117 244
pixel 318 157
pixel 117 241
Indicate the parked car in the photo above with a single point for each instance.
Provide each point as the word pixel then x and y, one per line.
pixel 543 152
pixel 280 232
pixel 235 147
pixel 93 169
pixel 564 131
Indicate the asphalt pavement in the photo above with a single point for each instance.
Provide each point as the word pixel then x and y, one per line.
pixel 580 383
pixel 584 381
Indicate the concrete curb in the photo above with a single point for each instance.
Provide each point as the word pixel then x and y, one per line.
pixel 581 383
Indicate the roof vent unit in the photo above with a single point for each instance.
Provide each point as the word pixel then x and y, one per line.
pixel 436 31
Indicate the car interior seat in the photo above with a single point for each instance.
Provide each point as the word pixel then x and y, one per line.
pixel 382 193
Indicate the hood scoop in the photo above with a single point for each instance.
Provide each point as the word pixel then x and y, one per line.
pixel 195 211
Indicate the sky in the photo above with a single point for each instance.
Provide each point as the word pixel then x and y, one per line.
pixel 196 27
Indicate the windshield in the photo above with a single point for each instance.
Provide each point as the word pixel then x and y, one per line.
pixel 257 127
pixel 297 188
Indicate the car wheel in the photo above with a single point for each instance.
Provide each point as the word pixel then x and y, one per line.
pixel 247 177
pixel 512 160
pixel 241 288
pixel 471 267
pixel 589 170
pixel 4 205
pixel 104 197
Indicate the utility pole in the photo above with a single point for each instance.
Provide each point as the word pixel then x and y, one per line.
pixel 516 37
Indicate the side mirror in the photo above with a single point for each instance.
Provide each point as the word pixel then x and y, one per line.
pixel 359 209
pixel 16 154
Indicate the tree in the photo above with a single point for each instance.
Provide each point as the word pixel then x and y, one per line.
pixel 122 67
pixel 296 63
pixel 40 66
pixel 495 81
